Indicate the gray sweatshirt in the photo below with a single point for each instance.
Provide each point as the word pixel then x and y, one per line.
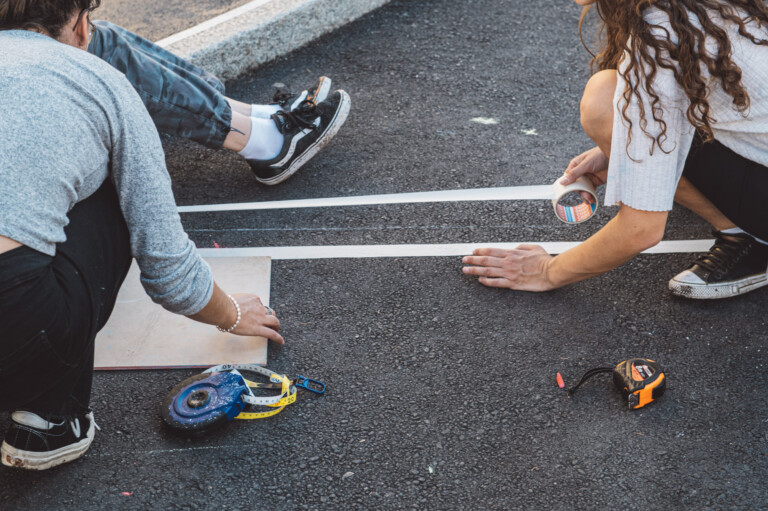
pixel 68 121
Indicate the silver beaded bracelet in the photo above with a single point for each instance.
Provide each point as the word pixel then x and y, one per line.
pixel 237 321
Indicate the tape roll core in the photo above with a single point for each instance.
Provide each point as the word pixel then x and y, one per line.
pixel 574 214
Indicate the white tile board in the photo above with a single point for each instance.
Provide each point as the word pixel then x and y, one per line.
pixel 140 334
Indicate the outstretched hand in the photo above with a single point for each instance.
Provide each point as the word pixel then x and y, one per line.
pixel 524 268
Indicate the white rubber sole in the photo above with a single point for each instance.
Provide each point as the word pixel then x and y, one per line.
pixel 30 460
pixel 722 290
pixel 336 123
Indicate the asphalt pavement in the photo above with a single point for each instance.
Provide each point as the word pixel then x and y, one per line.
pixel 157 20
pixel 441 393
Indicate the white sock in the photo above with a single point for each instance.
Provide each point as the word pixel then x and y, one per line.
pixel 265 142
pixel 33 420
pixel 739 230
pixel 263 111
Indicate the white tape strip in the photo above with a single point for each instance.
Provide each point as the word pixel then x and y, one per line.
pixel 458 249
pixel 218 20
pixel 538 192
pixel 574 214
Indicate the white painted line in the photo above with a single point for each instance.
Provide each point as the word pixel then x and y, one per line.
pixel 457 249
pixel 538 192
pixel 218 20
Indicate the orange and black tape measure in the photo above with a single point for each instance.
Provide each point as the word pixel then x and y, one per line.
pixel 640 380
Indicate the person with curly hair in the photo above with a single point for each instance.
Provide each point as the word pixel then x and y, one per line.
pixel 679 112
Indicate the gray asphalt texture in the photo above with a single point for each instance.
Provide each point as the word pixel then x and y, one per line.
pixel 156 20
pixel 441 393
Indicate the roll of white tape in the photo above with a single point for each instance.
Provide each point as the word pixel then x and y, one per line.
pixel 574 214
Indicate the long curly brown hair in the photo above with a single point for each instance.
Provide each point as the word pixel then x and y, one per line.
pixel 624 28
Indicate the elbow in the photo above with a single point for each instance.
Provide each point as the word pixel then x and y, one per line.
pixel 642 229
pixel 648 239
pixel 647 236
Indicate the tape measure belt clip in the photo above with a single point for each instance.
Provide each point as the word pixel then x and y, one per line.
pixel 300 381
pixel 309 384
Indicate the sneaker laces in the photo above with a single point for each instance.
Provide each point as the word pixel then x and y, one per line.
pixel 90 416
pixel 302 116
pixel 281 97
pixel 724 254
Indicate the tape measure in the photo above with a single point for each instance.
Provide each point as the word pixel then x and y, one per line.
pixel 640 380
pixel 208 401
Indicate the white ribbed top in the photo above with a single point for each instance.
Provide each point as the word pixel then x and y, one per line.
pixel 649 183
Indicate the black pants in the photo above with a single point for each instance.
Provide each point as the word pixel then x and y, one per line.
pixel 52 307
pixel 736 185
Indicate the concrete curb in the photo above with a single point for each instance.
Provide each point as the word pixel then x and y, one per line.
pixel 244 38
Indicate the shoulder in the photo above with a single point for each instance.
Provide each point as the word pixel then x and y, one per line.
pixel 106 86
pixel 95 71
pixel 45 60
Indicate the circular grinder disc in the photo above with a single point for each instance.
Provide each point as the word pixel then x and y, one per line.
pixel 203 403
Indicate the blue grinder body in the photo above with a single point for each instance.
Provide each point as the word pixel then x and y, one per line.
pixel 203 403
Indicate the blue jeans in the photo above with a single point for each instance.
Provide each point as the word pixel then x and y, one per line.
pixel 182 99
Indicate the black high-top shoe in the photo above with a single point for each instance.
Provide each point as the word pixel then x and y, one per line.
pixel 736 264
pixel 37 444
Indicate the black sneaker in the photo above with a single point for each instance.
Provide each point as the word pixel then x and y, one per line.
pixel 36 444
pixel 290 101
pixel 735 265
pixel 305 130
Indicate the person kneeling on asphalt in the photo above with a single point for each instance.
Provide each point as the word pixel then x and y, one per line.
pixel 679 113
pixel 83 189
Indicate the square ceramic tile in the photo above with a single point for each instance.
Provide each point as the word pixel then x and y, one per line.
pixel 142 335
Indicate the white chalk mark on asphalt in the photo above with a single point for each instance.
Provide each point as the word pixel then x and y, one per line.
pixel 185 449
pixel 485 120
pixel 426 250
pixel 531 132
pixel 218 20
pixel 509 193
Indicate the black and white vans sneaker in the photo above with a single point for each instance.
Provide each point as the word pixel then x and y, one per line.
pixel 317 94
pixel 306 131
pixel 736 264
pixel 36 444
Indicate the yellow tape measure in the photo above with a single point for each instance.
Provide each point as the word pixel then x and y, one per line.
pixel 209 400
pixel 287 390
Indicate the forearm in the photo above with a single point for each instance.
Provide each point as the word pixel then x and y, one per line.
pixel 624 237
pixel 219 311
pixel 254 317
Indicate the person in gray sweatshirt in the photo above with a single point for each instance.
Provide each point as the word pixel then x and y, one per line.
pixel 83 190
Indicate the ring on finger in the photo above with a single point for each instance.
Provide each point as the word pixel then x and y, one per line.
pixel 270 312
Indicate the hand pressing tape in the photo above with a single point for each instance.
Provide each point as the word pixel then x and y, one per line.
pixel 574 214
